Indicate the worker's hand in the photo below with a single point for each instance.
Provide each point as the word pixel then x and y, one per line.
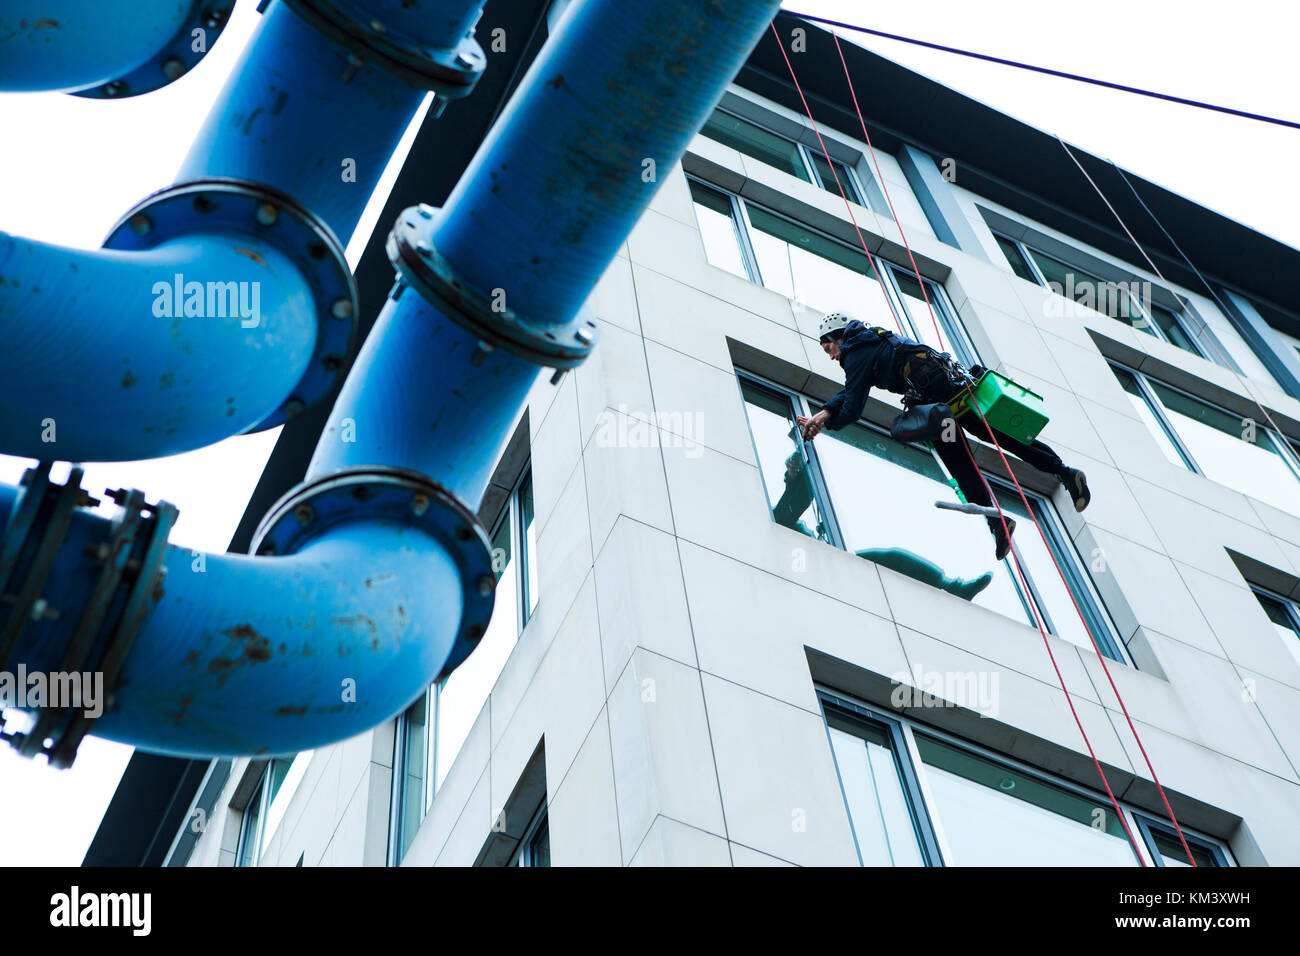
pixel 812 426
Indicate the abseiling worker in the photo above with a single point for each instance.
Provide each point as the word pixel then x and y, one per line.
pixel 927 380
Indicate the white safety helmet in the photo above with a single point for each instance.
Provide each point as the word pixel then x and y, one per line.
pixel 835 322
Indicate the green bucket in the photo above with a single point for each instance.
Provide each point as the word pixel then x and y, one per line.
pixel 1010 408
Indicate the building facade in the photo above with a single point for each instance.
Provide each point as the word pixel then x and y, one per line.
pixel 697 655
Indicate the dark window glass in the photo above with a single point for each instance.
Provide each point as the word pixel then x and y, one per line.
pixel 828 180
pixel 1172 853
pixel 413 770
pixel 1285 620
pixel 757 142
pixel 528 542
pixel 248 839
pixel 1173 328
pixel 1016 260
pixel 1111 299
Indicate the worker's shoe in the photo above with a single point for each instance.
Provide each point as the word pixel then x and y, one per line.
pixel 1076 483
pixel 1001 538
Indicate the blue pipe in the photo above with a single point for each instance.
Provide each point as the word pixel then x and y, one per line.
pixel 262 655
pixel 298 116
pixel 113 47
pixel 392 412
pixel 557 185
pixel 252 655
pixel 539 213
pixel 98 365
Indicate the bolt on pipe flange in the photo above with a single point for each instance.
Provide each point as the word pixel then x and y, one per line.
pixel 215 205
pixel 450 72
pixel 397 495
pixel 174 60
pixel 560 345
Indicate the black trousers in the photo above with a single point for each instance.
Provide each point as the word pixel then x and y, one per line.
pixel 957 456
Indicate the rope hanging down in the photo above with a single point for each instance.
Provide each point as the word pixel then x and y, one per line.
pixel 1001 517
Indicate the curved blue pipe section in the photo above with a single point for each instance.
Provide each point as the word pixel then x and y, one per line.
pixel 270 655
pixel 558 183
pixel 117 356
pixel 391 413
pixel 74 44
pixel 296 115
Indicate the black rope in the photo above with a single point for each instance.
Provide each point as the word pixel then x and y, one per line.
pixel 1050 72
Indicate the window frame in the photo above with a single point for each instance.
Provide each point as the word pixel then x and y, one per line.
pixel 958 341
pixel 512 511
pixel 1026 253
pixel 1286 448
pixel 1290 607
pixel 1140 822
pixel 526 852
pixel 1097 617
pixel 265 800
pixel 1149 825
pixel 852 188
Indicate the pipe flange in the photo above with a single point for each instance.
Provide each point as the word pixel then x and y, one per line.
pixel 449 72
pixel 174 60
pixel 410 248
pixel 399 495
pixel 232 205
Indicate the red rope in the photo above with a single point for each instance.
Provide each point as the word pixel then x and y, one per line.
pixel 1015 557
pixel 1029 509
pixel 880 281
pixel 881 179
pixel 1100 657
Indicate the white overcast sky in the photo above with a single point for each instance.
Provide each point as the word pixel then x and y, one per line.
pixel 69 167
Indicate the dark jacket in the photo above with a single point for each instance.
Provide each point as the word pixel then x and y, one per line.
pixel 867 355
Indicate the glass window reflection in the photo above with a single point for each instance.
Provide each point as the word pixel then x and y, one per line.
pixel 1233 451
pixel 786 477
pixel 879 810
pixel 718 229
pixel 995 815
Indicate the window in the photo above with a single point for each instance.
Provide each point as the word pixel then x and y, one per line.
pixel 1237 452
pixel 275 787
pixel 860 490
pixel 411 778
pixel 719 229
pixel 535 847
pixel 1285 618
pixel 1168 849
pixel 432 731
pixel 877 792
pixel 996 815
pixel 917 797
pixel 752 140
pixel 1116 300
pixel 803 162
pixel 825 274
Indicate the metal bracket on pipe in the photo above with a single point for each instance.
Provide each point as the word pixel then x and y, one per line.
pixel 40 541
pixel 392 494
pixel 451 73
pixel 174 60
pixel 231 205
pixel 559 346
